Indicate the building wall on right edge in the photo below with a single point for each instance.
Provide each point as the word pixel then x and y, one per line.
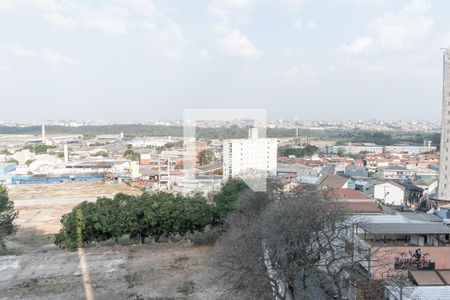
pixel 444 161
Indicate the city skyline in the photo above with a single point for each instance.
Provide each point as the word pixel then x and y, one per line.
pixel 144 60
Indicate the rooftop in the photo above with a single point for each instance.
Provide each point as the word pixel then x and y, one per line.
pixel 348 194
pixel 361 208
pixel 422 278
pixel 405 228
pixel 421 217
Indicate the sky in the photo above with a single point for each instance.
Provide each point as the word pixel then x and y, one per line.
pixel 125 60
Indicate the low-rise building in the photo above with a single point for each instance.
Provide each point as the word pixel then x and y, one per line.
pixel 330 181
pixel 410 149
pixel 356 148
pixel 396 244
pixel 397 172
pixel 398 193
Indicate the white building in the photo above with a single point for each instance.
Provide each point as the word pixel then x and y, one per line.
pixel 398 193
pixel 242 157
pixel 356 148
pixel 444 160
pixel 409 149
pixel 390 192
pixel 23 156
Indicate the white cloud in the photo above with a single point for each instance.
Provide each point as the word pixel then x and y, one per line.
pixel 445 40
pixel 312 25
pixel 418 6
pixel 234 43
pixel 231 41
pixel 400 30
pixel 118 17
pixel 40 5
pixel 292 51
pixel 5 68
pixel 51 56
pixel 359 45
pixel 19 51
pixel 292 4
pixel 104 22
pixel 109 19
pixel 56 58
pixel 204 55
pixel 60 20
pixel 297 24
pixel 145 7
pixel 366 2
pixel 222 8
pixel 169 42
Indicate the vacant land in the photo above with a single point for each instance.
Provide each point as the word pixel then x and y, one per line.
pixel 41 206
pixel 36 269
pixel 151 271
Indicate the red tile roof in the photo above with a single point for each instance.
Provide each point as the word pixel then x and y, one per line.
pixel 347 194
pixel 361 208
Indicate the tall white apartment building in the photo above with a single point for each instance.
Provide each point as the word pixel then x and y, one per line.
pixel 243 157
pixel 444 160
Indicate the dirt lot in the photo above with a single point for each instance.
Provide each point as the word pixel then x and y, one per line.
pixel 151 271
pixel 41 206
pixel 36 269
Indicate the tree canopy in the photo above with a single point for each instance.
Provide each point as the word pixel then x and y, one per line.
pixel 308 150
pixel 206 157
pixel 226 198
pixel 139 217
pixel 7 216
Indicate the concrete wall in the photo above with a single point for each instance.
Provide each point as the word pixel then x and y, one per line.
pixel 390 193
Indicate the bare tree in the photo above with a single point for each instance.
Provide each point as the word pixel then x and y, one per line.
pixel 239 258
pixel 290 245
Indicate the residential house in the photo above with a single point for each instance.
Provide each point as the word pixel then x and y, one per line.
pixel 398 193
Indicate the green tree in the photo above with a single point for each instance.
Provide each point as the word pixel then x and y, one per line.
pixel 206 157
pixel 29 161
pixel 146 216
pixel 308 150
pixel 7 216
pixel 227 197
pixel 39 149
pixel 5 152
pixel 131 154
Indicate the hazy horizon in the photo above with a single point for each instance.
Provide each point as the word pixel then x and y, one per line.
pixel 150 59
